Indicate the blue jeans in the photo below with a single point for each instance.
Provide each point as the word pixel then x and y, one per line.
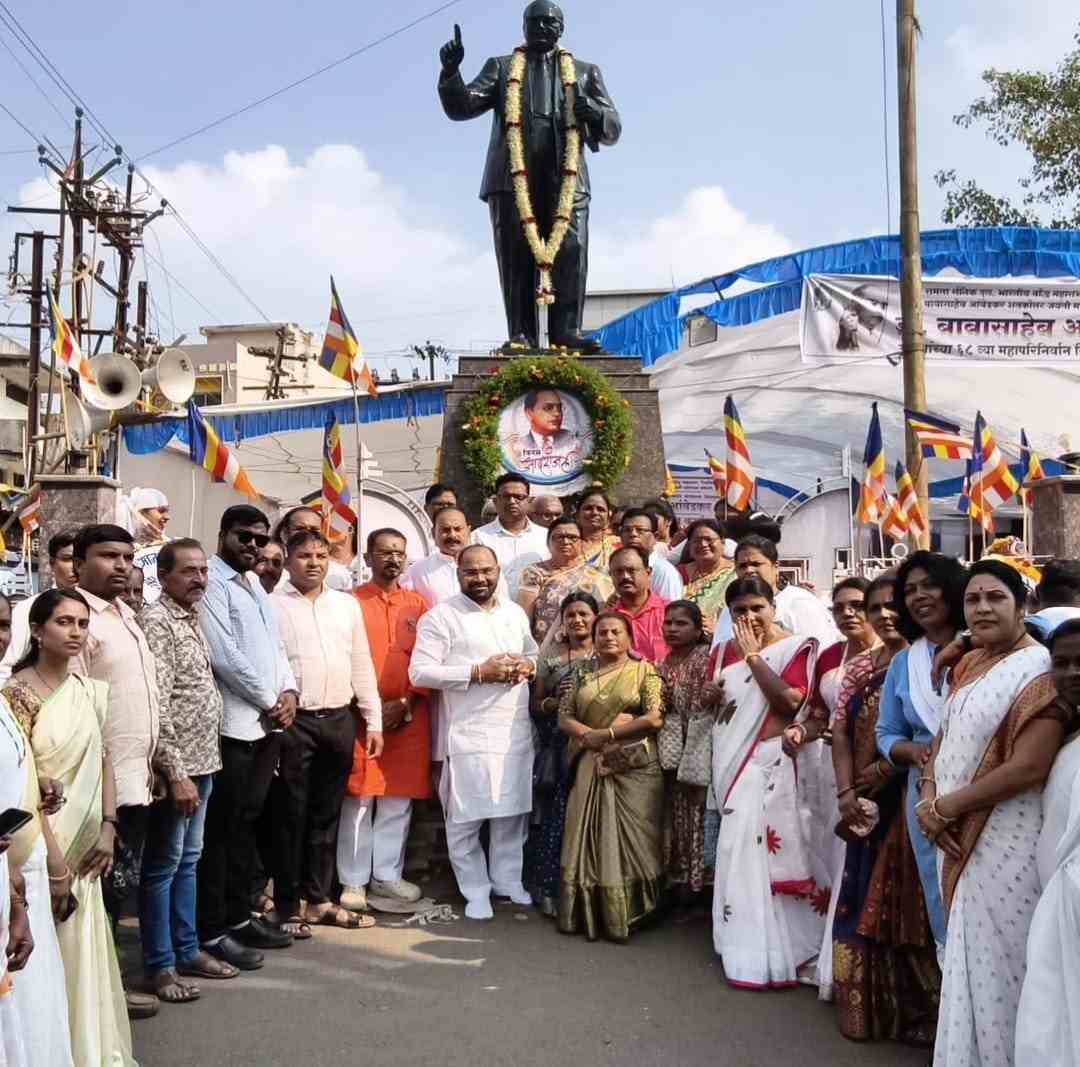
pixel 167 893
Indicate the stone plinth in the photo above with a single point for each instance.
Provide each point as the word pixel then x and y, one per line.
pixel 71 500
pixel 645 477
pixel 1055 524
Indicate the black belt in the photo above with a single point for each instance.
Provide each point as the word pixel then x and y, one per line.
pixel 322 713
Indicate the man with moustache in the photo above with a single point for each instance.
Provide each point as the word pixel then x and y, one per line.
pixel 439 497
pixel 376 812
pixel 515 539
pixel 191 750
pixel 634 599
pixel 324 636
pixel 546 511
pixel 436 577
pixel 477 649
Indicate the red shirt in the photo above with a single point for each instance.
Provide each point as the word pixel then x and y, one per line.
pixel 647 626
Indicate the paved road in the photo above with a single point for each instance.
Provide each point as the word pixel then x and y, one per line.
pixel 509 992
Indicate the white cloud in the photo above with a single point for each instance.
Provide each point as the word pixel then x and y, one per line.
pixel 281 226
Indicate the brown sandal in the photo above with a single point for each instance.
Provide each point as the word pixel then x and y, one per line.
pixel 206 966
pixel 168 988
pixel 339 917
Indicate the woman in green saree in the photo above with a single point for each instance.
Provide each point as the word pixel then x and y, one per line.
pixel 612 856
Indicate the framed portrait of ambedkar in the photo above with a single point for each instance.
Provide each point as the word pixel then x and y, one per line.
pixel 546 435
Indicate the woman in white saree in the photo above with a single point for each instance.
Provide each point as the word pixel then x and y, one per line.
pixel 981 804
pixel 768 911
pixel 63 715
pixel 1048 1021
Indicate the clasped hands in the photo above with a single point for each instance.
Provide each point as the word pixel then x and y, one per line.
pixel 937 827
pixel 505 669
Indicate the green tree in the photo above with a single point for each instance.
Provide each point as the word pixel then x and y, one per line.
pixel 1041 112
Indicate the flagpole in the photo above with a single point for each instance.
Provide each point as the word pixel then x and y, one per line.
pixel 360 546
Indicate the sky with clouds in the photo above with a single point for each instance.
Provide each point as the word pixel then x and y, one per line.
pixel 748 130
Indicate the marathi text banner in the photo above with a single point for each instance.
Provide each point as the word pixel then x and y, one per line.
pixel 1002 321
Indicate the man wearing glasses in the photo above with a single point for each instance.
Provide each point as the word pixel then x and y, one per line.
pixel 513 537
pixel 259 694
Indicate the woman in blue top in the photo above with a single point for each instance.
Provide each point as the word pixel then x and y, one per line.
pixel 930 610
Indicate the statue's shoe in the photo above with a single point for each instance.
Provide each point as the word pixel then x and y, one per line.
pixel 577 342
pixel 518 343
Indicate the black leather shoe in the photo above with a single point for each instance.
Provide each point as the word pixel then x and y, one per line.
pixel 231 951
pixel 260 934
pixel 577 342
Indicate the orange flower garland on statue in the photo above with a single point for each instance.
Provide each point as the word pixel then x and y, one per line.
pixel 544 252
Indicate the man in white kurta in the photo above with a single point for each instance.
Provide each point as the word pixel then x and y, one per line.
pixel 478 650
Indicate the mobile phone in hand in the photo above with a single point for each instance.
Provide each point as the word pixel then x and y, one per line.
pixel 13 820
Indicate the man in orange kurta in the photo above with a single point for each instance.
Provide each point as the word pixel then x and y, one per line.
pixel 378 808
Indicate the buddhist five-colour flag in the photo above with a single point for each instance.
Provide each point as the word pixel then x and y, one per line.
pixel 938 438
pixel 992 483
pixel 210 452
pixel 65 348
pixel 895 523
pixel 1031 467
pixel 30 513
pixel 716 472
pixel 873 504
pixel 341 354
pixel 739 472
pixel 905 510
pixel 967 506
pixel 338 515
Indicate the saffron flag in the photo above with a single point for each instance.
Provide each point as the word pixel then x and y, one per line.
pixel 739 472
pixel 982 516
pixel 992 483
pixel 671 487
pixel 30 513
pixel 937 438
pixel 716 472
pixel 210 452
pixel 1031 467
pixel 873 504
pixel 338 515
pixel 341 354
pixel 65 348
pixel 895 523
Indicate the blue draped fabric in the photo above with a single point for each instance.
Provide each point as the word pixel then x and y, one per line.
pixel 985 252
pixel 408 403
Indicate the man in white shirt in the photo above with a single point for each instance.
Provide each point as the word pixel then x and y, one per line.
pixel 478 651
pixel 323 632
pixel 797 610
pixel 638 530
pixel 435 578
pixel 303 518
pixel 513 537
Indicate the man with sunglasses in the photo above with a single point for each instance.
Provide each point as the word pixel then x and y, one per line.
pixel 259 694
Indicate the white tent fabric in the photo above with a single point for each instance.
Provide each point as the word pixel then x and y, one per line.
pixel 798 417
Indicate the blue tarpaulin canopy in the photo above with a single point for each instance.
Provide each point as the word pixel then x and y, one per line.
pixel 656 329
pixel 244 422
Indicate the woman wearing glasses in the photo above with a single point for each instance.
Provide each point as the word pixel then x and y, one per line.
pixel 545 585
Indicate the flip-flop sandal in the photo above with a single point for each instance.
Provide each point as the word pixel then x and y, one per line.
pixel 206 966
pixel 342 919
pixel 298 927
pixel 164 981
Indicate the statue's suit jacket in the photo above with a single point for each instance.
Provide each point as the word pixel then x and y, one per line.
pixel 487 92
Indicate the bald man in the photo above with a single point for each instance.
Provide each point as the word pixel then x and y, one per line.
pixel 478 651
pixel 545 510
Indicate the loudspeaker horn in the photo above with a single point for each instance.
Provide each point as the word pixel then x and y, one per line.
pixel 85 420
pixel 118 383
pixel 172 376
pixel 899 551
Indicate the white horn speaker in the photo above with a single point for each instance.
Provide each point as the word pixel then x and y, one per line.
pixel 118 382
pixel 172 376
pixel 899 551
pixel 85 420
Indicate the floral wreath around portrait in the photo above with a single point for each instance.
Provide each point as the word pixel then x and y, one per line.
pixel 610 415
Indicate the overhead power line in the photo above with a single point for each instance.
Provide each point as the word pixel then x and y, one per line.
pixel 302 81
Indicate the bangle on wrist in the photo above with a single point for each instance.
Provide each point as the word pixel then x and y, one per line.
pixel 61 877
pixel 111 820
pixel 611 732
pixel 844 792
pixel 922 804
pixel 937 814
pixel 924 779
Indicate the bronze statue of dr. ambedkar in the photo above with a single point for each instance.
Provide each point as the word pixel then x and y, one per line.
pixel 543 127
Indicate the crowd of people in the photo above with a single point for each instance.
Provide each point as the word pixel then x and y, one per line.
pixel 878 795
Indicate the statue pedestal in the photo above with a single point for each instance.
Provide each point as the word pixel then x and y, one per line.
pixel 1055 522
pixel 69 501
pixel 646 475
